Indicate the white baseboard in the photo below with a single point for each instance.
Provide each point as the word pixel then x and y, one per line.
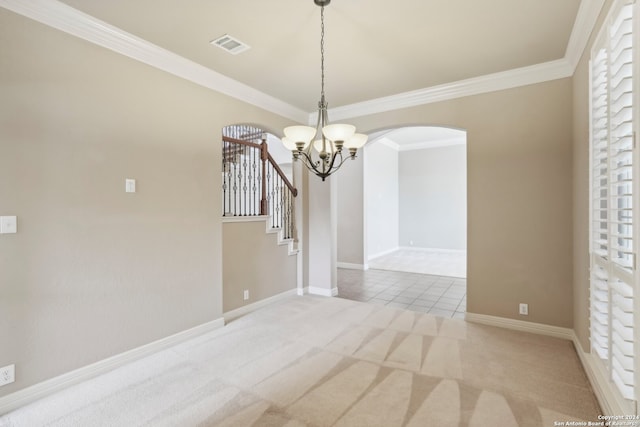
pixel 323 291
pixel 610 400
pixel 241 311
pixel 38 391
pixel 520 325
pixel 447 251
pixel 383 253
pixel 350 266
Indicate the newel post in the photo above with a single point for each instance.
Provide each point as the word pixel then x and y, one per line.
pixel 264 156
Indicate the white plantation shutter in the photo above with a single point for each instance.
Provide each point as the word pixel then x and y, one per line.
pixel 613 208
pixel 622 361
pixel 600 312
pixel 599 155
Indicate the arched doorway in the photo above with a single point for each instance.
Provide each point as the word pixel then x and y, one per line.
pixel 413 209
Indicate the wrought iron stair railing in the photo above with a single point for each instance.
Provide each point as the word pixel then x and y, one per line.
pixel 253 184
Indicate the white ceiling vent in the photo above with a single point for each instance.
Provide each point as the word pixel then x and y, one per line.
pixel 230 44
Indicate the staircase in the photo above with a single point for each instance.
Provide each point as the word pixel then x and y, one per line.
pixel 255 189
pixel 254 185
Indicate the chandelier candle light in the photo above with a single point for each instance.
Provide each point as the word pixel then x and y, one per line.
pixel 324 156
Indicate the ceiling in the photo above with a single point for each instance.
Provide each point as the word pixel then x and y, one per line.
pixel 374 48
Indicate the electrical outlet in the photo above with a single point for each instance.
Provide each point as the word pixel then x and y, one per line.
pixel 7 375
pixel 524 309
pixel 246 294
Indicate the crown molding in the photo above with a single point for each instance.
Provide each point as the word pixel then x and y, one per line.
pixel 583 26
pixel 538 73
pixel 65 18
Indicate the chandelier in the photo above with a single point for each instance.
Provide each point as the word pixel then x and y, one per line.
pixel 321 148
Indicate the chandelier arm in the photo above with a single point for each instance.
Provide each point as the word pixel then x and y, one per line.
pixel 324 173
pixel 333 159
pixel 307 151
pixel 308 161
pixel 342 160
pixel 314 166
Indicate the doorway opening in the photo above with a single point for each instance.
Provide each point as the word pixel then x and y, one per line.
pixel 414 222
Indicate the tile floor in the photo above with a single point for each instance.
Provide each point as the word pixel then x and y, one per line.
pixel 436 262
pixel 439 295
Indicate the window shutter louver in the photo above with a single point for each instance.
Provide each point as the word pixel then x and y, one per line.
pixel 599 155
pixel 600 312
pixel 621 135
pixel 613 269
pixel 622 338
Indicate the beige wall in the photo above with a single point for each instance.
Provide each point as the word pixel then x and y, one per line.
pixel 519 156
pixel 350 238
pixel 581 190
pixel 253 260
pixel 93 271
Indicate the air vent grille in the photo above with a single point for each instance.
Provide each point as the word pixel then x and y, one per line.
pixel 230 44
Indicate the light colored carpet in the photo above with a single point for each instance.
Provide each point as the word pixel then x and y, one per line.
pixel 424 261
pixel 314 361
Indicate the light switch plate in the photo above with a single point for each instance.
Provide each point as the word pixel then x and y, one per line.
pixel 130 185
pixel 8 224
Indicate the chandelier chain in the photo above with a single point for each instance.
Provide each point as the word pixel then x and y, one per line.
pixel 322 50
